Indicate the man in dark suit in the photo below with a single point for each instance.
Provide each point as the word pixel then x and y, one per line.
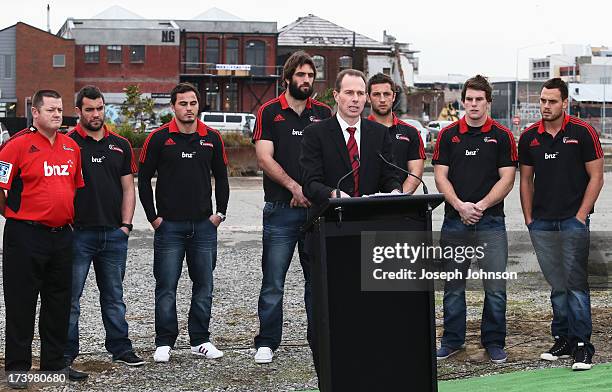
pixel 333 147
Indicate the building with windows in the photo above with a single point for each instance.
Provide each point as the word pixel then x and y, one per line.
pixel 231 61
pixel 118 48
pixel 332 47
pixel 33 59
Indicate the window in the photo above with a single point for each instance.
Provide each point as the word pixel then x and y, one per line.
pixel 319 62
pixel 387 71
pixel 59 60
pixel 231 97
pixel 233 119
pixel 212 51
pixel 192 53
pixel 231 51
pixel 256 57
pixel 137 53
pixel 8 66
pixel 345 62
pixel 92 54
pixel 212 97
pixel 213 118
pixel 114 54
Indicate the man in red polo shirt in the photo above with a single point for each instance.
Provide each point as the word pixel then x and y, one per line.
pixel 40 169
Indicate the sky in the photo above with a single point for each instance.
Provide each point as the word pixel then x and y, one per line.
pixel 453 37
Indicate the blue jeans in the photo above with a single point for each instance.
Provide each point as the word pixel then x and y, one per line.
pixel 562 249
pixel 281 232
pixel 107 248
pixel 174 241
pixel 492 231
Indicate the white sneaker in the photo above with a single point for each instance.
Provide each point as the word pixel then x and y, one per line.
pixel 162 354
pixel 264 355
pixel 207 350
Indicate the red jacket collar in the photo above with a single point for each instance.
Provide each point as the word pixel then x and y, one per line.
pixel 395 119
pixel 202 129
pixel 285 105
pixel 463 125
pixel 84 134
pixel 566 119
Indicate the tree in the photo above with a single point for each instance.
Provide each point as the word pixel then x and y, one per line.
pixel 136 109
pixel 327 97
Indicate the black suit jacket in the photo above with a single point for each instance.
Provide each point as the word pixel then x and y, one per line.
pixel 324 159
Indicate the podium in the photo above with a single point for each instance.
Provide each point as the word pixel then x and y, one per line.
pixel 369 340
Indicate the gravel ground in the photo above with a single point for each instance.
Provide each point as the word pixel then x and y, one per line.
pixel 234 322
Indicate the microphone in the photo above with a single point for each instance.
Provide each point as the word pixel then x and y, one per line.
pixel 355 158
pixel 380 155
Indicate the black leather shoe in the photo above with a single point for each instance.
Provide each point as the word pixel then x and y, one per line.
pixel 75 375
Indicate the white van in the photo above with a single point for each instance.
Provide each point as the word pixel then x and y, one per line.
pixel 230 122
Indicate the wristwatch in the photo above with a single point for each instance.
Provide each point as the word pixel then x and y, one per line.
pixel 128 226
pixel 222 216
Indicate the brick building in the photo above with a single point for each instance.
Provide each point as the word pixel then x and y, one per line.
pixel 232 61
pixel 332 47
pixel 33 59
pixel 118 48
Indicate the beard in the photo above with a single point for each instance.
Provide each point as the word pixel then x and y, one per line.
pixel 299 94
pixel 381 113
pixel 551 116
pixel 93 128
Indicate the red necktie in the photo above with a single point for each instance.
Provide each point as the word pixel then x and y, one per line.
pixel 353 152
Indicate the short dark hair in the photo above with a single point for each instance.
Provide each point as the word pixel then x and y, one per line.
pixel 350 72
pixel 89 92
pixel 296 60
pixel 559 84
pixel 479 83
pixel 181 88
pixel 381 78
pixel 37 99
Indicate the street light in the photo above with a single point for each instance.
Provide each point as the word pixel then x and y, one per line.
pixel 517 71
pixel 603 106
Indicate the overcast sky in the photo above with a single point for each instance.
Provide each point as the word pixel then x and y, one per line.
pixel 453 37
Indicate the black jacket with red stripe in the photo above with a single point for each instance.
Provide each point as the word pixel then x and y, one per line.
pixel 183 163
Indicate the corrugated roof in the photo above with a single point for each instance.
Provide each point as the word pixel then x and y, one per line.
pixel 314 31
pixel 215 13
pixel 117 12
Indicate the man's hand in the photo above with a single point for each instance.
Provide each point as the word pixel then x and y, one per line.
pixel 215 219
pixel 125 230
pixel 581 218
pixel 157 222
pixel 342 194
pixel 470 213
pixel 298 199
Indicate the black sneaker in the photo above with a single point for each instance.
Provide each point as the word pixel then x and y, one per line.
pixel 561 349
pixel 583 357
pixel 130 358
pixel 72 373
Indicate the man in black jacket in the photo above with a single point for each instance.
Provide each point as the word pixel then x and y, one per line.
pixel 346 142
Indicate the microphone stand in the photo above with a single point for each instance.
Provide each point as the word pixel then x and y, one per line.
pixel 339 208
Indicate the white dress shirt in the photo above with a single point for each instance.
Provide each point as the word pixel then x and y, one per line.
pixel 344 125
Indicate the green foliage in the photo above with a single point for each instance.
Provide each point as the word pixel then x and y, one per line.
pixel 136 139
pixel 327 97
pixel 235 139
pixel 165 118
pixel 136 109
